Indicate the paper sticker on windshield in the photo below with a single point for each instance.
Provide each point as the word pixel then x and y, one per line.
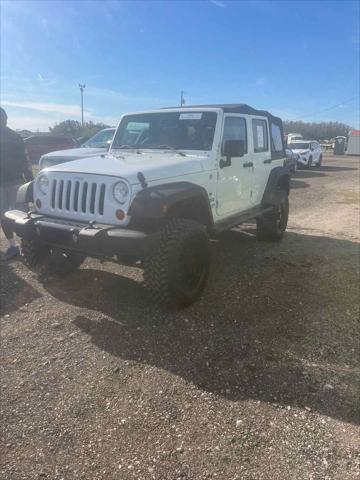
pixel 260 136
pixel 190 116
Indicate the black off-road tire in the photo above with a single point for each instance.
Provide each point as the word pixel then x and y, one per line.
pixel 309 164
pixel 271 226
pixel 62 262
pixel 176 273
pixel 56 261
pixel 34 254
pixel 320 161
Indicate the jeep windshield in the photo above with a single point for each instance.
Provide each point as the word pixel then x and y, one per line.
pixel 299 146
pixel 100 140
pixel 166 131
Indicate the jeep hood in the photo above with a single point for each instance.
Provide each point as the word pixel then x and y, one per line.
pixel 154 166
pixel 73 154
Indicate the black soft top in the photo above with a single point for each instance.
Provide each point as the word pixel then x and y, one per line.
pixel 237 108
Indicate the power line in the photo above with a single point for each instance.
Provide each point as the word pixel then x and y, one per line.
pixel 329 108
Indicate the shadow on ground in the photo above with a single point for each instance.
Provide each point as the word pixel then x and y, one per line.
pixel 328 168
pixel 15 292
pixel 298 184
pixel 277 323
pixel 309 173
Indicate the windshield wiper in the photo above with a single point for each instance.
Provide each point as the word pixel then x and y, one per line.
pixel 125 147
pixel 167 147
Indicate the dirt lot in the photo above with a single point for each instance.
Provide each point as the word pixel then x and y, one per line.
pixel 258 380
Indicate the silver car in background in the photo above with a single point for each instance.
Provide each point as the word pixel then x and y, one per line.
pixel 96 145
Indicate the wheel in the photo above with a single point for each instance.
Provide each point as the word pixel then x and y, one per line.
pixel 320 161
pixel 62 262
pixel 271 226
pixel 309 164
pixel 177 271
pixel 33 253
pixel 53 259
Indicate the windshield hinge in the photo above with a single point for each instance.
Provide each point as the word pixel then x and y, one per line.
pixel 141 178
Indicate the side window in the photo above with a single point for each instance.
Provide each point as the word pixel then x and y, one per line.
pixel 276 139
pixel 31 141
pixel 41 140
pixel 235 129
pixel 63 141
pixel 260 135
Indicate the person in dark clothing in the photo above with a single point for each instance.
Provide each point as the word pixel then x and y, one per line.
pixel 14 169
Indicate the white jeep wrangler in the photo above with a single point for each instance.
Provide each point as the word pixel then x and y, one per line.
pixel 171 179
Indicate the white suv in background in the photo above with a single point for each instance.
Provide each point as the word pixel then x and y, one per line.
pixel 309 151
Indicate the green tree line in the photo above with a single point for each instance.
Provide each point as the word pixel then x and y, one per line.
pixel 317 131
pixel 74 129
pixel 309 130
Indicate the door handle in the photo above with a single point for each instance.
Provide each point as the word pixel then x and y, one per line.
pixel 268 161
pixel 248 164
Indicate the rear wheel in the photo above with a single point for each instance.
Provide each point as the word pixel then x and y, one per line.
pixel 271 226
pixel 177 271
pixel 320 161
pixel 309 164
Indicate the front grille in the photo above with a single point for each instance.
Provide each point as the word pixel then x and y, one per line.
pixel 78 196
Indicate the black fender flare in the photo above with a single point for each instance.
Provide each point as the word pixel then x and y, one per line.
pixel 279 177
pixel 159 201
pixel 25 193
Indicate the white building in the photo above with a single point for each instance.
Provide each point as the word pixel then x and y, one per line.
pixel 353 145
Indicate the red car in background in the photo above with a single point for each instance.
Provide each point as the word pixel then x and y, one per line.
pixel 38 145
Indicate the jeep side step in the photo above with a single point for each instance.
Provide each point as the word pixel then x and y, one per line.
pixel 237 219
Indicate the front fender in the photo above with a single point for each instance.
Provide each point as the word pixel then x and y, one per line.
pixel 156 202
pixel 25 193
pixel 279 178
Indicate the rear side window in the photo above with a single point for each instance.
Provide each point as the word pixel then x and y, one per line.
pixel 31 140
pixel 260 135
pixel 235 129
pixel 276 138
pixel 40 140
pixel 62 140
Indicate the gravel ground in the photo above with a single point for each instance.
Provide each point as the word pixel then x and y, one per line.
pixel 257 380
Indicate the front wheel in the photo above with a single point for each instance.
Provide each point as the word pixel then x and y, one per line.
pixel 271 226
pixel 55 260
pixel 309 164
pixel 320 161
pixel 33 253
pixel 62 262
pixel 177 271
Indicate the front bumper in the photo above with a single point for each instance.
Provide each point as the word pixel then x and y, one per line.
pixel 92 240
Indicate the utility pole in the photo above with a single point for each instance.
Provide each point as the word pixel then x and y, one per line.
pixel 182 99
pixel 82 86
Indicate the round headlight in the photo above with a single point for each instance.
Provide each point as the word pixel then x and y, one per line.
pixel 43 184
pixel 121 192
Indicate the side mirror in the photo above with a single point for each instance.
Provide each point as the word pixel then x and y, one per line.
pixel 233 148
